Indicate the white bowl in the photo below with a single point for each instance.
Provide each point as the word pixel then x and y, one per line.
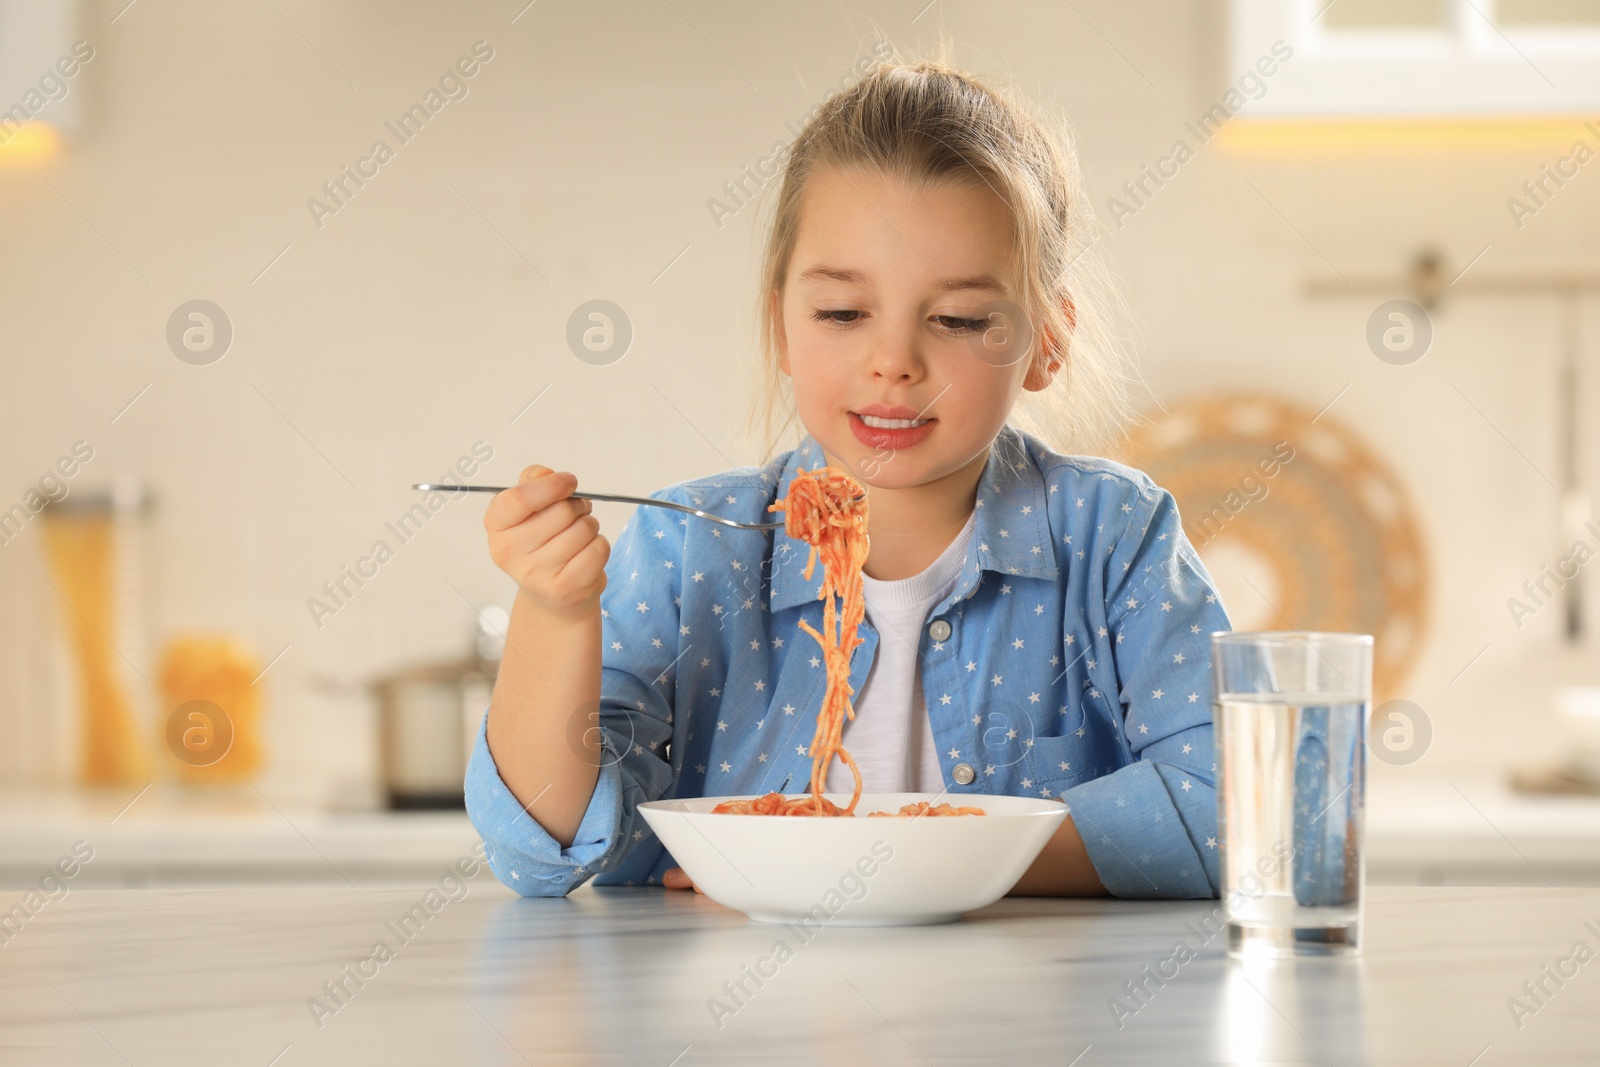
pixel 859 871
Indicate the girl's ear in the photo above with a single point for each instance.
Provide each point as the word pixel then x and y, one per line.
pixel 781 339
pixel 1052 356
pixel 1044 369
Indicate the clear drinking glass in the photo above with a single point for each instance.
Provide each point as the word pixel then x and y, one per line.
pixel 1291 725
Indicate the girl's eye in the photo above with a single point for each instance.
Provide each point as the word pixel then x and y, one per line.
pixel 825 315
pixel 959 325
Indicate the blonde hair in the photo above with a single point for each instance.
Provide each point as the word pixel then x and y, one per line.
pixel 929 124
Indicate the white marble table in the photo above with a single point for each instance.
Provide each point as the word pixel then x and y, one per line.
pixel 625 976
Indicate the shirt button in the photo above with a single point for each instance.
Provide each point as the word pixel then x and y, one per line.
pixel 939 631
pixel 963 774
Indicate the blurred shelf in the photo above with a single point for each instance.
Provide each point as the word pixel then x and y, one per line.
pixel 1428 827
pixel 172 837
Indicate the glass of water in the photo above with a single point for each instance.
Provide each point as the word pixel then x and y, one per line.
pixel 1291 726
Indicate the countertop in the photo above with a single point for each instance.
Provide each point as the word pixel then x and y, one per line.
pixel 629 976
pixel 1423 828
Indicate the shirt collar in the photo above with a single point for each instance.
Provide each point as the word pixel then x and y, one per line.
pixel 1011 532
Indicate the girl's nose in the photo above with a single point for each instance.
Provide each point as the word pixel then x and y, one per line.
pixel 895 359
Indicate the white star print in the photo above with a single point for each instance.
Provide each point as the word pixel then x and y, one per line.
pixel 788 709
pixel 1177 657
pixel 642 607
pixel 1185 786
pixel 1017 643
pixel 955 753
pixel 725 767
pixel 944 698
pixel 698 576
pixel 995 680
pixel 722 725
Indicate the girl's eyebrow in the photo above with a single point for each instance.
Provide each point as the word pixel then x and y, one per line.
pixel 981 282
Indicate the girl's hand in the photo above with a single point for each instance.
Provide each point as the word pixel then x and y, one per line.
pixel 549 543
pixel 676 878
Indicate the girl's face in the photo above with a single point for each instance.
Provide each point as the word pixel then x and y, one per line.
pixel 896 327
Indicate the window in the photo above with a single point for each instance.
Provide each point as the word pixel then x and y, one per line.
pixel 1424 57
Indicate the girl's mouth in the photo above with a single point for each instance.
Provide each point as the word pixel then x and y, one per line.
pixel 877 432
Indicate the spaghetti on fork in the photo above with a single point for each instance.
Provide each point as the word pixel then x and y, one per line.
pixel 827 509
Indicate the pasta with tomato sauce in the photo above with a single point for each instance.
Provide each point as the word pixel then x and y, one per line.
pixel 827 509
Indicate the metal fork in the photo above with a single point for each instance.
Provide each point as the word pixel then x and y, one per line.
pixel 430 488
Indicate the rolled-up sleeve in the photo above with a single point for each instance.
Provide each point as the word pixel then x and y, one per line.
pixel 639 635
pixel 521 853
pixel 1150 827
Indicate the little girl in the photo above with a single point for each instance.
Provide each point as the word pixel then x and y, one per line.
pixel 1037 624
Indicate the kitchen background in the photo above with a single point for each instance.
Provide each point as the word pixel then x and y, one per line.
pixel 230 458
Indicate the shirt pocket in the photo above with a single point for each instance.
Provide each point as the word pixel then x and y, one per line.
pixel 1056 764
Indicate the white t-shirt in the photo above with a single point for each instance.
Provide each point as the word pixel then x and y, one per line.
pixel 890 738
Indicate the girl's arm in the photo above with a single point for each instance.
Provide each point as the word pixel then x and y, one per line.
pixel 1150 826
pixel 550 672
pixel 1062 869
pixel 544 743
pixel 580 726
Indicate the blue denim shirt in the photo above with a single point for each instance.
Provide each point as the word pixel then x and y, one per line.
pixel 1076 665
